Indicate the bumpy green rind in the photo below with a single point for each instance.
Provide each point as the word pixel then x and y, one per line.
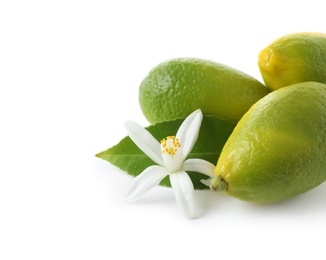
pixel 294 58
pixel 278 148
pixel 177 87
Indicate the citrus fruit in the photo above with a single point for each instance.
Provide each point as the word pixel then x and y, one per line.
pixel 294 58
pixel 278 148
pixel 177 87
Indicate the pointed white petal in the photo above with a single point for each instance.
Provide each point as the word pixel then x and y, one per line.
pixel 184 194
pixel 189 130
pixel 199 165
pixel 145 141
pixel 206 182
pixel 145 181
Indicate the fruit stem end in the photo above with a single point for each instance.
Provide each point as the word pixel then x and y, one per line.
pixel 218 184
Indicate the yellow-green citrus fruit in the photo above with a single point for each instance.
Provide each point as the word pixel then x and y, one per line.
pixel 278 148
pixel 294 58
pixel 177 87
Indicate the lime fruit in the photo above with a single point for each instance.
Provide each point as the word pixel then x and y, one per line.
pixel 294 58
pixel 177 87
pixel 278 149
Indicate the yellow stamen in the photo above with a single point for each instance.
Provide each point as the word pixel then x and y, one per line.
pixel 170 145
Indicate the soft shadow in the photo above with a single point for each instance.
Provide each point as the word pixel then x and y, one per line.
pixel 310 202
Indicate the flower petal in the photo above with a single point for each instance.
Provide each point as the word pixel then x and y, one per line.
pixel 145 141
pixel 145 181
pixel 189 130
pixel 206 182
pixel 199 165
pixel 184 194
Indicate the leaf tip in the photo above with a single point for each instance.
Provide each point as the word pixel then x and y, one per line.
pixel 99 155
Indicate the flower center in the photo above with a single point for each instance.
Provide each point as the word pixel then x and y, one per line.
pixel 170 145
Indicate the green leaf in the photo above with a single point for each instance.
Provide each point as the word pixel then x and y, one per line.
pixel 213 134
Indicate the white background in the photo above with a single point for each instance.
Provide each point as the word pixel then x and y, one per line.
pixel 69 78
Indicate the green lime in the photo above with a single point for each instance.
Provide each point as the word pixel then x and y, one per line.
pixel 277 150
pixel 177 87
pixel 294 58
